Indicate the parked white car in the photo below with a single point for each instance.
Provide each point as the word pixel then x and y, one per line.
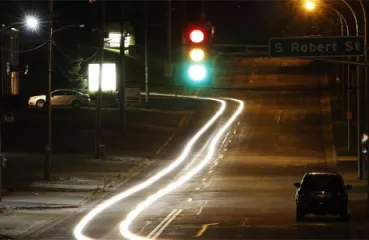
pixel 61 98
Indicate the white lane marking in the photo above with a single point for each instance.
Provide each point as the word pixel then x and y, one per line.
pixel 78 230
pixel 132 215
pixel 167 224
pixel 162 223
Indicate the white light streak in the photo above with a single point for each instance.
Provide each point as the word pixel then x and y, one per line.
pixel 78 231
pixel 124 227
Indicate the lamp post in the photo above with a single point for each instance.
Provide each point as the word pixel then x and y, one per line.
pixel 32 23
pixel 310 6
pixel 47 163
pixel 348 97
pixel 358 99
pixel 348 94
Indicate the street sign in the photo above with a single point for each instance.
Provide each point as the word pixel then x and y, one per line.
pixel 316 46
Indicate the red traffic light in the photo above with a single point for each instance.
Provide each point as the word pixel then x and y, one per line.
pixel 197 36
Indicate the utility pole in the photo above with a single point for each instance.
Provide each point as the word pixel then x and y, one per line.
pixel 169 33
pixel 48 147
pixel 122 90
pixel 2 158
pixel 184 11
pixel 99 94
pixel 146 60
pixel 203 10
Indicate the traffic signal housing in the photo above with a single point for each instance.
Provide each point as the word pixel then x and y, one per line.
pixel 197 67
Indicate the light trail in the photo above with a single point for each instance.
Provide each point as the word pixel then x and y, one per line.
pixel 78 231
pixel 124 226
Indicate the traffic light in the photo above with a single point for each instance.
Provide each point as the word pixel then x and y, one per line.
pixel 197 69
pixel 364 143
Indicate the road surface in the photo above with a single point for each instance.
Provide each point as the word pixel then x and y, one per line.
pixel 247 191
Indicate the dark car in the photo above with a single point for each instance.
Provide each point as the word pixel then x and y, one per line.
pixel 322 193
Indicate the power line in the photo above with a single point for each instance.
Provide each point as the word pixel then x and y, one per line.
pixel 25 51
pixel 73 59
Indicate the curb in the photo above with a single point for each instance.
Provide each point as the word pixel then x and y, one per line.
pixel 40 207
pixel 4 210
pixel 329 147
pixel 120 178
pixel 54 189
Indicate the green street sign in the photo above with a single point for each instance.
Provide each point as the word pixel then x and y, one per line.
pixel 316 46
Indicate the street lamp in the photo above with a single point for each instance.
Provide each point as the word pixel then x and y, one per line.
pixel 358 97
pixel 343 21
pixel 358 90
pixel 30 22
pixel 310 5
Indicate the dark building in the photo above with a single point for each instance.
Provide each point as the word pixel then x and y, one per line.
pixel 9 62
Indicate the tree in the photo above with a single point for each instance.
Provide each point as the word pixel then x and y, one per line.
pixel 76 77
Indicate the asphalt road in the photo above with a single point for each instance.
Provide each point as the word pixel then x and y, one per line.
pixel 247 191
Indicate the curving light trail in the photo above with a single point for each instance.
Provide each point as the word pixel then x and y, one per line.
pixel 78 231
pixel 124 227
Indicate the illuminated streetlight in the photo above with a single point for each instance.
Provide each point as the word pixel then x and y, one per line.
pixel 310 5
pixel 32 23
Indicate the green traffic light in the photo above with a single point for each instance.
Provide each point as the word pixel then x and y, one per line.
pixel 197 72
